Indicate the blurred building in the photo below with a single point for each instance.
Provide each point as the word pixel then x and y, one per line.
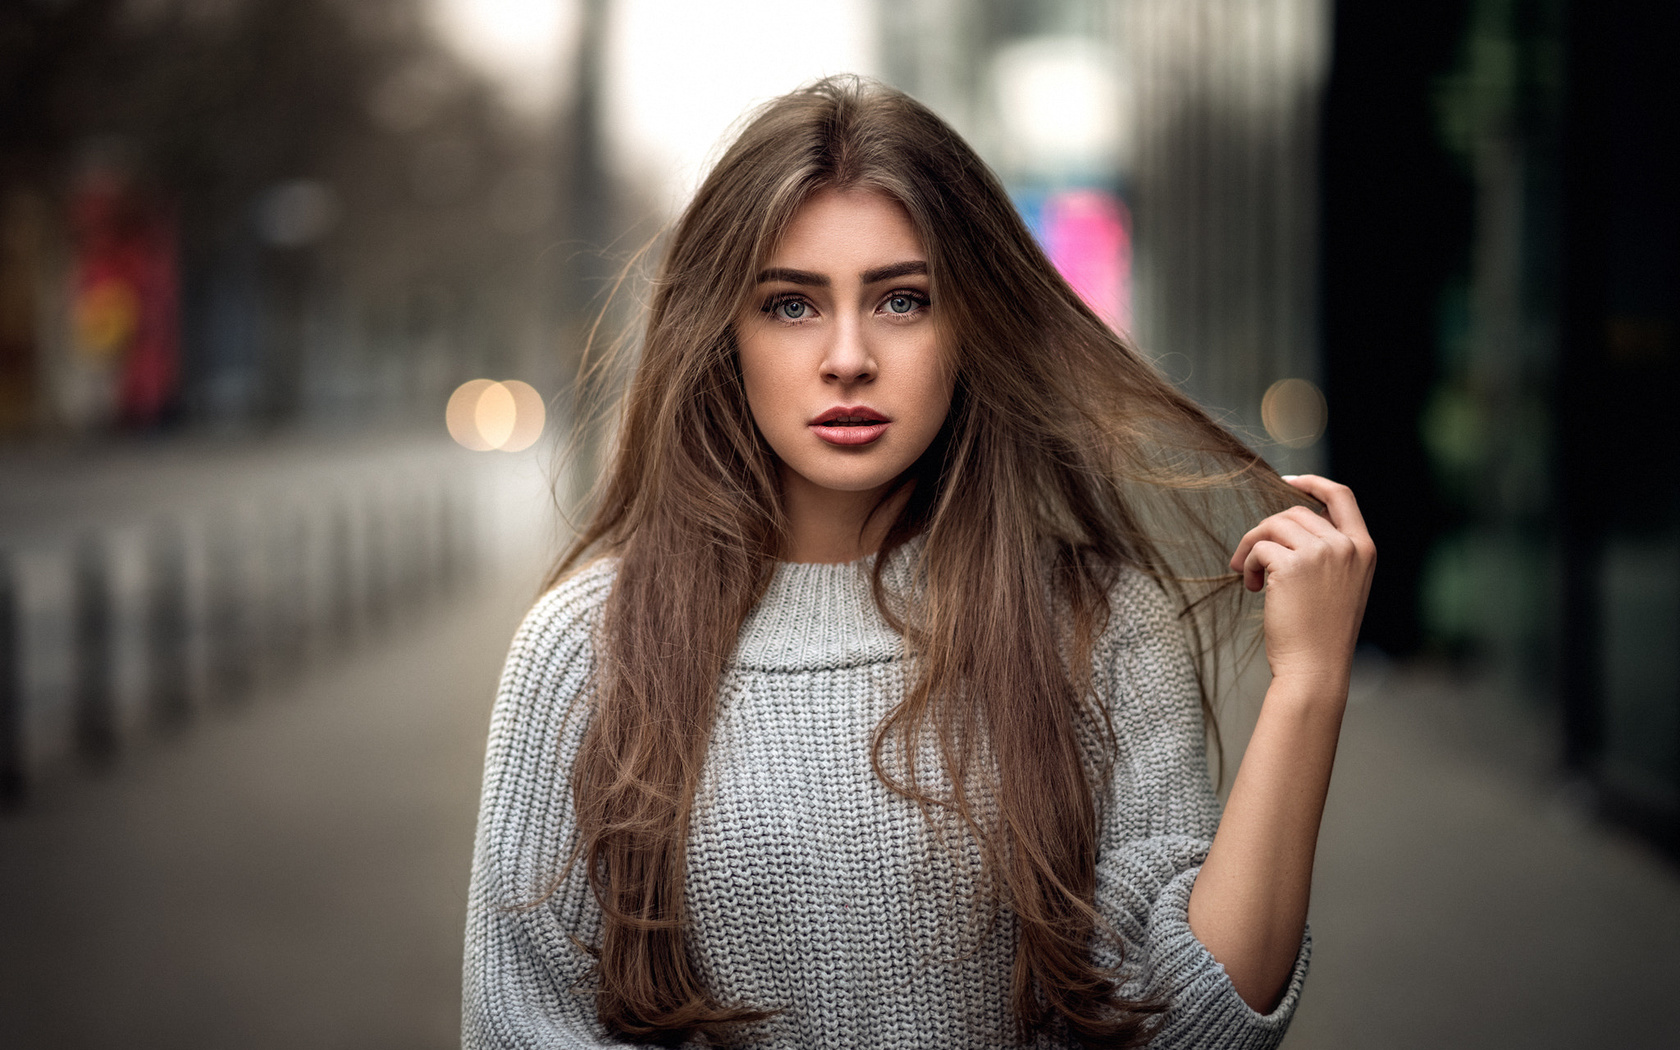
pixel 1166 154
pixel 259 213
pixel 1227 107
pixel 1433 248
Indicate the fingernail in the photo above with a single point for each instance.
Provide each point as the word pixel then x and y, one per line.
pixel 1289 477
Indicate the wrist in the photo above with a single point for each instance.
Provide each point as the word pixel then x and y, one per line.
pixel 1324 688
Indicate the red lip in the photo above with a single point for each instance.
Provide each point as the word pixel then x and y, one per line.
pixel 860 414
pixel 850 425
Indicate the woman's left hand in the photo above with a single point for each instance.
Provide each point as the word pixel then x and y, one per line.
pixel 1316 570
pixel 1249 903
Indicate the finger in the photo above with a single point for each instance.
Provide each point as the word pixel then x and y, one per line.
pixel 1279 529
pixel 1250 538
pixel 1287 532
pixel 1338 501
pixel 1313 522
pixel 1261 557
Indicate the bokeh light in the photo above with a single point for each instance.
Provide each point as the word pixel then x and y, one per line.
pixel 493 415
pixel 679 75
pixel 529 416
pixel 484 415
pixel 1063 104
pixel 1294 412
pixel 523 44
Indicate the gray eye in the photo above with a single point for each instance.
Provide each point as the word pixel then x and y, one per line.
pixel 901 304
pixel 791 309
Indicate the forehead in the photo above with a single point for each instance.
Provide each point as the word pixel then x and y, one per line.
pixel 837 228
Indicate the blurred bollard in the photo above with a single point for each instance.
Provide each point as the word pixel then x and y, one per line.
pixel 411 503
pixel 12 782
pixel 284 591
pixel 147 618
pixel 168 628
pixel 448 556
pixel 370 568
pixel 44 603
pixel 314 579
pixel 380 559
pixel 395 536
pixel 423 529
pixel 436 511
pixel 459 540
pixel 407 545
pixel 230 618
pixel 95 712
pixel 343 613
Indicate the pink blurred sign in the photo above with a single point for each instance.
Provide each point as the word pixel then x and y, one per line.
pixel 1087 234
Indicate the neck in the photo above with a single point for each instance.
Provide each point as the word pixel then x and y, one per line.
pixel 830 526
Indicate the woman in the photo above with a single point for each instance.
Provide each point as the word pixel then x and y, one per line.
pixel 867 709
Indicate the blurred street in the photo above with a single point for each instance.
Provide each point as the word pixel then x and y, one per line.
pixel 297 298
pixel 293 872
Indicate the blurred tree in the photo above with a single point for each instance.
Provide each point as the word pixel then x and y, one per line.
pixel 358 213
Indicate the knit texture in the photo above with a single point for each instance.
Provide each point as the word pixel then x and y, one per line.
pixel 811 887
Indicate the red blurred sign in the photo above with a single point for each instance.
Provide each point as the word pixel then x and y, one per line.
pixel 125 298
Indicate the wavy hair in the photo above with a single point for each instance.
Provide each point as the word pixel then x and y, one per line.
pixel 1066 456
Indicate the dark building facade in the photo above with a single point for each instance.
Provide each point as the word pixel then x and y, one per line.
pixel 1501 262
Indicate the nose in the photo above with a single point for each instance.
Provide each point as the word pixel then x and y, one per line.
pixel 849 358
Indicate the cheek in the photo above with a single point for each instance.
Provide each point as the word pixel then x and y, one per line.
pixel 936 388
pixel 766 389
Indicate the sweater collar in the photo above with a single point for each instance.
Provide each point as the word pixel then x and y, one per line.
pixel 816 617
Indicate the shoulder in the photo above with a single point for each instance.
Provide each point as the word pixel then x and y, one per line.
pixel 568 613
pixel 552 653
pixel 1144 674
pixel 547 677
pixel 1143 661
pixel 1140 598
pixel 535 728
pixel 1142 617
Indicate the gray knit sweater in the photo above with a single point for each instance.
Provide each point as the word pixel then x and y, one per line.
pixel 812 889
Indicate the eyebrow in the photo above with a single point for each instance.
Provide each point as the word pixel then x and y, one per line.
pixel 902 269
pixel 782 273
pixel 817 280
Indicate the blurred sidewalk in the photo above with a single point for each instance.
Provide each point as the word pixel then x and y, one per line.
pixel 290 872
pixel 1463 897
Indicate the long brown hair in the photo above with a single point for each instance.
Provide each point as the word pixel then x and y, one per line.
pixel 1065 452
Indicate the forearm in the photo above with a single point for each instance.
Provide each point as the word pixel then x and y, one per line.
pixel 1249 904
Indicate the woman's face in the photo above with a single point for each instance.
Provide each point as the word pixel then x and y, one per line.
pixel 840 346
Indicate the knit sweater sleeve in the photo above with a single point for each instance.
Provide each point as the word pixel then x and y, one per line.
pixel 1158 822
pixel 525 980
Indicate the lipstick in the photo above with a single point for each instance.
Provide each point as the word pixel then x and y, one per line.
pixel 850 425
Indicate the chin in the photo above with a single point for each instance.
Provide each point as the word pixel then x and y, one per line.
pixel 850 480
pixel 854 483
